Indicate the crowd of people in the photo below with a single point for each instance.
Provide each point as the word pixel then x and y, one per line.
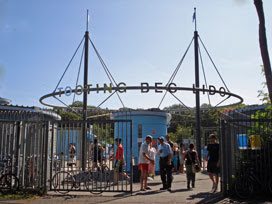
pixel 173 158
pixel 98 155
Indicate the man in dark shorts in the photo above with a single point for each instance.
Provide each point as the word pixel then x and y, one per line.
pixel 213 160
pixel 96 151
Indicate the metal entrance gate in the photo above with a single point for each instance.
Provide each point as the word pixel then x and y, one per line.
pixel 246 150
pixel 23 152
pixel 66 172
pixel 38 154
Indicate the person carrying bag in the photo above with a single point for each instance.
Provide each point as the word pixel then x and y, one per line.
pixel 195 167
pixel 191 158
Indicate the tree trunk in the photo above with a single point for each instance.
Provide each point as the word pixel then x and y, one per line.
pixel 263 46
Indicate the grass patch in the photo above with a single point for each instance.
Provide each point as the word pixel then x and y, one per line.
pixel 20 195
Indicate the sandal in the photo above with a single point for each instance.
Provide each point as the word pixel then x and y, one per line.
pixel 148 188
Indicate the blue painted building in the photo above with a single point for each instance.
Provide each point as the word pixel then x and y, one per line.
pixel 152 122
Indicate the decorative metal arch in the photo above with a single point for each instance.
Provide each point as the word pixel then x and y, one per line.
pixel 165 88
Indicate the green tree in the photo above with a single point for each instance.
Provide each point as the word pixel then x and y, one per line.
pixel 67 115
pixel 77 104
pixel 75 112
pixel 181 133
pixel 209 116
pixel 260 126
pixel 264 97
pixel 263 46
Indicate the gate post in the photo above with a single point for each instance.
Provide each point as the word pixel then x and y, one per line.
pixel 223 157
pixel 18 139
pixel 131 154
pixel 83 145
pixel 47 129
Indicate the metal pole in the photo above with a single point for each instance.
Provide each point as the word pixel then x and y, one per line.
pixel 198 135
pixel 18 144
pixel 52 154
pixel 131 154
pixel 45 156
pixel 223 157
pixel 85 96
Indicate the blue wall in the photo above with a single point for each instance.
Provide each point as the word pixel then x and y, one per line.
pixel 153 123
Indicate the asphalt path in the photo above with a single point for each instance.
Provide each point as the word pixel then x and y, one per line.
pixel 179 194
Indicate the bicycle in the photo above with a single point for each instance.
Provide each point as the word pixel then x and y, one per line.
pixel 99 180
pixel 8 181
pixel 94 181
pixel 248 184
pixel 64 181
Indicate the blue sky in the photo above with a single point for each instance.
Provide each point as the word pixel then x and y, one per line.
pixel 140 41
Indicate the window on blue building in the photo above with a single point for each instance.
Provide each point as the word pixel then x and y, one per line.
pixel 140 131
pixel 140 135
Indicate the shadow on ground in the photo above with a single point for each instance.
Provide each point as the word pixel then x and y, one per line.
pixel 207 197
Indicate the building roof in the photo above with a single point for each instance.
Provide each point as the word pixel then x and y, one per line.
pixel 143 112
pixel 245 112
pixel 4 101
pixel 28 109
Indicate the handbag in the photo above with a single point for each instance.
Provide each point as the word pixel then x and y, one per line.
pixel 195 167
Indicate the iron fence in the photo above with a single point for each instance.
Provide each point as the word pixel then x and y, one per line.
pixel 23 150
pixel 246 154
pixel 39 155
pixel 66 170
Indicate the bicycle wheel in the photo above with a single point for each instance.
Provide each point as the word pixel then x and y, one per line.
pixel 9 183
pixel 63 182
pixel 97 182
pixel 243 188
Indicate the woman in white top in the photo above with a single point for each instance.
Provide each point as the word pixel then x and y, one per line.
pixel 151 167
pixel 181 157
pixel 144 161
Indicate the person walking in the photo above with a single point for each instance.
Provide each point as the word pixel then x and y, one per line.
pixel 165 152
pixel 96 151
pixel 144 161
pixel 175 158
pixel 213 160
pixel 181 157
pixel 169 141
pixel 191 158
pixel 119 161
pixel 72 155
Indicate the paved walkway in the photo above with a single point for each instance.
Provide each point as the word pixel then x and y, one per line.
pixel 179 194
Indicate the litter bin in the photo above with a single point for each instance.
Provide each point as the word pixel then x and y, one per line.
pixel 255 142
pixel 242 141
pixel 136 174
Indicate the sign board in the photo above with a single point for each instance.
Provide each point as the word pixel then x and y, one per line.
pixel 139 140
pixel 187 143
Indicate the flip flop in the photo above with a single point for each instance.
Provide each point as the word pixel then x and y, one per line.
pixel 148 188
